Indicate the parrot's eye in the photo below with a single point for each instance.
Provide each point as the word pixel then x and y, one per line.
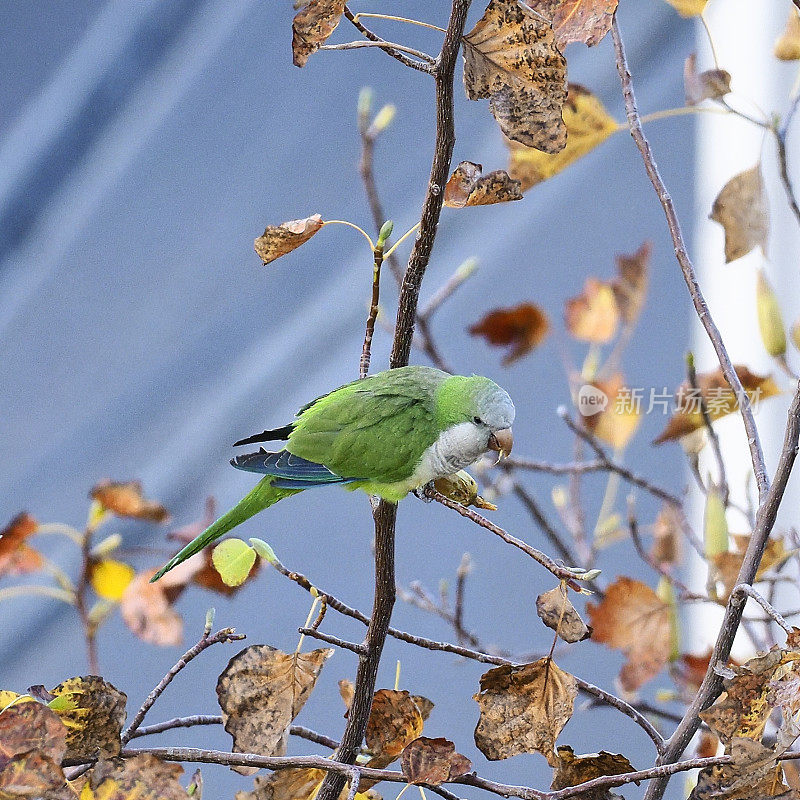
pixel 477 420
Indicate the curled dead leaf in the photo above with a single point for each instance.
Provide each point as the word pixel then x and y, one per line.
pixel 142 777
pixel 261 691
pixel 468 187
pixel 16 556
pixel 666 549
pixel 719 399
pixel 312 25
pixel 588 125
pixel 594 315
pixel 709 85
pixel 278 240
pixel 787 46
pixel 433 761
pixel 125 499
pixel 522 328
pixel 572 770
pixel 616 419
pixel 523 709
pixel 94 712
pixel 557 612
pixel 586 21
pixel 510 57
pixel 631 618
pixel 741 209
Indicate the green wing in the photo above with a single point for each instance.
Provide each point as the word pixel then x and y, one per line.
pixel 375 429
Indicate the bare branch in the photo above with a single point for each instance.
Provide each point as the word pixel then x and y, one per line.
pixel 687 268
pixel 224 635
pixel 313 633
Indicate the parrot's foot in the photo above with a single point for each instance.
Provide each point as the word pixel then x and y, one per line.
pixel 421 492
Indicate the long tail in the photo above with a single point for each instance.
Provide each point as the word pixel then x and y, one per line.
pixel 262 496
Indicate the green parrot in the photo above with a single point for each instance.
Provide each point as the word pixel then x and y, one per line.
pixel 388 434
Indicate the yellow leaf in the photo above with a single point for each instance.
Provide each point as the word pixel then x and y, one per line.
pixel 770 319
pixel 233 559
pixel 787 47
pixel 111 578
pixel 594 315
pixel 689 8
pixel 588 125
pixel 715 525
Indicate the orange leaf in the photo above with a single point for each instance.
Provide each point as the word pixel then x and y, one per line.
pixel 468 187
pixel 126 500
pixel 632 618
pixel 16 557
pixel 719 398
pixel 523 328
pixel 594 315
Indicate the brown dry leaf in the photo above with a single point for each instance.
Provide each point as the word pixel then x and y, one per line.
pixel 707 746
pixel 523 709
pixel 787 46
pixel 719 397
pixel 725 566
pixel 32 745
pixel 709 85
pixel 433 761
pixel 666 549
pixel 689 8
pixel 510 56
pixel 741 209
pixel 570 770
pixel 94 713
pixel 630 285
pixel 588 125
pixel 125 499
pixel 753 774
pixel 522 328
pixel 631 618
pixel 594 315
pixel 261 691
pixel 278 240
pixel 312 25
pixel 557 612
pixel 142 777
pixel 147 609
pixel 468 187
pixel 394 721
pixel 17 557
pixel 346 691
pixel 586 21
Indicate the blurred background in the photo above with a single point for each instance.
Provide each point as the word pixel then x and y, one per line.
pixel 143 146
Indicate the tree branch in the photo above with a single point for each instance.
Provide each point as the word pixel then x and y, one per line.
pixel 686 265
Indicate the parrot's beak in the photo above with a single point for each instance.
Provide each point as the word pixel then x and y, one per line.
pixel 502 441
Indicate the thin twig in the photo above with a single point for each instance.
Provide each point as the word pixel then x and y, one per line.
pixel 396 54
pixel 562 573
pixel 358 649
pixel 366 350
pixel 224 635
pixel 686 265
pixel 398 48
pixel 744 588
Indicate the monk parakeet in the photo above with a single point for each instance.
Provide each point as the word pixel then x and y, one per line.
pixel 388 434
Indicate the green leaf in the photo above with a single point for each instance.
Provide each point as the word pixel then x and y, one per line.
pixel 233 559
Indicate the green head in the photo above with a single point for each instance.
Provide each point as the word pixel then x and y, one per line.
pixel 481 402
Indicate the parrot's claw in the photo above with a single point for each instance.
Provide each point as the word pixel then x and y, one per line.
pixel 421 492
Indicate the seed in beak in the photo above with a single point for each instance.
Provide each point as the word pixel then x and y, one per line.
pixel 501 441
